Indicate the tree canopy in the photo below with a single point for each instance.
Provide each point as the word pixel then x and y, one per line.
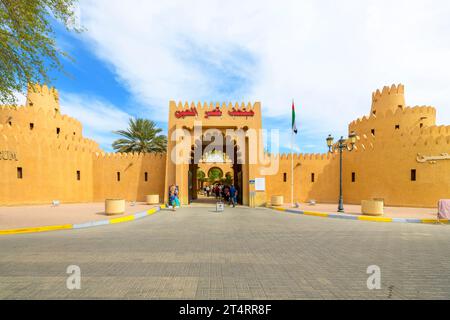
pixel 28 49
pixel 215 174
pixel 200 174
pixel 142 136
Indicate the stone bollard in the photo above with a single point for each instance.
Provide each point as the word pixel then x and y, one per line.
pixel 152 199
pixel 114 206
pixel 372 207
pixel 277 201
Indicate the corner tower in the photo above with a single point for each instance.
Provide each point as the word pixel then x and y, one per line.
pixel 392 98
pixel 43 97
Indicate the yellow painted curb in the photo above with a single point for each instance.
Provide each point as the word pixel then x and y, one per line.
pixel 315 214
pixel 120 220
pixel 280 209
pixel 374 219
pixel 36 229
pixel 434 221
pixel 75 226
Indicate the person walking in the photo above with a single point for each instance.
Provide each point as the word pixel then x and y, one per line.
pixel 226 194
pixel 233 196
pixel 217 191
pixel 177 197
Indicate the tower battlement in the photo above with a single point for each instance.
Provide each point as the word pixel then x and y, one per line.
pixel 425 112
pixel 390 98
pixel 43 97
pixel 387 91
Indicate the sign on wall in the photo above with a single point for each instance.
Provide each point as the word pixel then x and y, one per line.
pixel 260 184
pixel 432 159
pixel 216 112
pixel 192 112
pixel 8 155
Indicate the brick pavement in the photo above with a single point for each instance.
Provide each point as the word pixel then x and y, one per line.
pixel 242 253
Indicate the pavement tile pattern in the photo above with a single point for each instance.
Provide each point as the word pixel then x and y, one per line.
pixel 242 253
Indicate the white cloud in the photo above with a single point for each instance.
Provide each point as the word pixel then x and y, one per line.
pixel 328 55
pixel 21 99
pixel 99 118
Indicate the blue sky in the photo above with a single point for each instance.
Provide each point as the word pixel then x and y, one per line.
pixel 329 56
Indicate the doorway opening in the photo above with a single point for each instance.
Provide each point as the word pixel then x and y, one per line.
pixel 215 172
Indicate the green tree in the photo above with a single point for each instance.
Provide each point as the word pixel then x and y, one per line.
pixel 28 49
pixel 201 176
pixel 215 174
pixel 142 136
pixel 228 178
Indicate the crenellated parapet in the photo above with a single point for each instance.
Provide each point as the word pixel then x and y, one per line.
pixel 41 96
pixel 432 131
pixel 419 137
pixel 435 135
pixel 303 156
pixel 129 156
pixel 22 141
pixel 388 91
pixel 38 121
pixel 389 98
pixel 432 141
pixel 388 124
pixel 425 111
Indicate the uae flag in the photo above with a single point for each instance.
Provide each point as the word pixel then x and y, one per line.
pixel 294 126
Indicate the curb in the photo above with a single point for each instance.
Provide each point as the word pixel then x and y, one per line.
pixel 361 218
pixel 84 225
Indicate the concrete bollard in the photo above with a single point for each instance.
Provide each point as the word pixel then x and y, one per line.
pixel 152 199
pixel 277 201
pixel 372 207
pixel 114 206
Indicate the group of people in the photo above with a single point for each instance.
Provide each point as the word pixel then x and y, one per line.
pixel 174 200
pixel 228 193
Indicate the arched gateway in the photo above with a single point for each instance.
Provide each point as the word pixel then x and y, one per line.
pixel 196 130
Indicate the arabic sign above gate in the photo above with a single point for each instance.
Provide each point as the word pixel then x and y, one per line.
pixel 192 112
pixel 217 112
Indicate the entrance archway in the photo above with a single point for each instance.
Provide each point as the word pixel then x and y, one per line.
pixel 190 122
pixel 218 167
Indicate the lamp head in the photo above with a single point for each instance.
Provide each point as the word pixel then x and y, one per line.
pixel 330 141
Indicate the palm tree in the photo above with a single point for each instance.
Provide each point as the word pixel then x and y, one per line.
pixel 201 177
pixel 141 137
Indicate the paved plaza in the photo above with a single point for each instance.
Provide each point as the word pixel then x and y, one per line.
pixel 196 253
pixel 48 215
pixel 389 212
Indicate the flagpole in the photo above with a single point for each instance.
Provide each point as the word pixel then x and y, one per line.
pixel 292 164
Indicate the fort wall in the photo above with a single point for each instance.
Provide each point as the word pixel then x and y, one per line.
pixel 44 157
pixel 128 176
pixel 314 178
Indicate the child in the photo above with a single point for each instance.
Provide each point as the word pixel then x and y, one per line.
pixel 172 198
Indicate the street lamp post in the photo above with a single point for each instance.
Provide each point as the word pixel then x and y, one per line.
pixel 341 145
